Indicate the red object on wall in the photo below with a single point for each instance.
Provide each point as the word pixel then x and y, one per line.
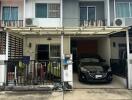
pixel 87 47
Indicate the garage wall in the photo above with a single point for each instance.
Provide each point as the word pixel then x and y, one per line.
pixel 104 49
pixel 115 50
pixel 34 40
pixel 70 13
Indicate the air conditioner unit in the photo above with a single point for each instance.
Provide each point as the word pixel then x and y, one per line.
pixel 119 22
pixel 29 22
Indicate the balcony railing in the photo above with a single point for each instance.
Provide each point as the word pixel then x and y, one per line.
pixel 11 23
pixel 92 23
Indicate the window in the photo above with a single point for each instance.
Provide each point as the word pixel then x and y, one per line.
pixel 54 50
pixel 122 10
pixel 54 10
pixel 43 10
pixel 91 13
pixel 83 13
pixel 87 13
pixel 10 13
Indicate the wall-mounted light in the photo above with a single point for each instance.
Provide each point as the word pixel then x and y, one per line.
pixel 114 44
pixel 49 37
pixel 30 45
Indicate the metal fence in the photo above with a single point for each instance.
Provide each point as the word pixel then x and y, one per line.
pixel 33 73
pixel 92 23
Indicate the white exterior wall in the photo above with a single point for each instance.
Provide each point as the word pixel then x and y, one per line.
pixel 41 22
pixel 115 50
pixel 104 49
pixel 43 40
pixel 16 3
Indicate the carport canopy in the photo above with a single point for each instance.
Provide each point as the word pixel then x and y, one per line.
pixel 73 31
pixel 66 30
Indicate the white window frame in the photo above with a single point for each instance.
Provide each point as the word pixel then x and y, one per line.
pixel 10 10
pixel 130 14
pixel 48 9
pixel 87 10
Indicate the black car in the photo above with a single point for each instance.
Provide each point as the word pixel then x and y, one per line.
pixel 92 68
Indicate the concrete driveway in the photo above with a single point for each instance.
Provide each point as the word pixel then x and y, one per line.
pixel 117 83
pixel 76 94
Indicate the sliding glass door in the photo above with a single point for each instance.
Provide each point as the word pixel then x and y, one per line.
pixel 10 13
pixel 88 13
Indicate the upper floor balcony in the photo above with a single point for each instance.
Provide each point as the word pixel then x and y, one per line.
pixel 21 13
pixel 75 13
pixel 43 13
pixel 12 13
pixel 87 13
pixel 92 13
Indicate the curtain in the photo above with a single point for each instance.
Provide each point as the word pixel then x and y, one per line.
pixel 10 13
pixel 122 10
pixel 14 13
pixel 6 13
pixel 83 13
pixel 91 13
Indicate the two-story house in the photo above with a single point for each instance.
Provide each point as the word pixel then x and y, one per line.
pixel 33 28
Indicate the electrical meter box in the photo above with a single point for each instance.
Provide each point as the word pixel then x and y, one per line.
pixel 67 73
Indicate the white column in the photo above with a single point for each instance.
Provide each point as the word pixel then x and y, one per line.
pixel 3 67
pixel 108 13
pixel 128 60
pixel 109 49
pixel 24 12
pixel 7 50
pixel 61 13
pixel 62 55
pixel 7 45
pixel 114 10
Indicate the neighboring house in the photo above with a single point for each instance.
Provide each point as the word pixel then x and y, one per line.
pixel 33 28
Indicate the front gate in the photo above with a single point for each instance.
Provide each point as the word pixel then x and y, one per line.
pixel 34 73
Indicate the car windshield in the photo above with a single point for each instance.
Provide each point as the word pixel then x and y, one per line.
pixel 90 60
pixel 91 67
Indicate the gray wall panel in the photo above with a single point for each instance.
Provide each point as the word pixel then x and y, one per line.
pixel 70 13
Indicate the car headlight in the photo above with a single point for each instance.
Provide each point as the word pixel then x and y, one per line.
pixel 83 69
